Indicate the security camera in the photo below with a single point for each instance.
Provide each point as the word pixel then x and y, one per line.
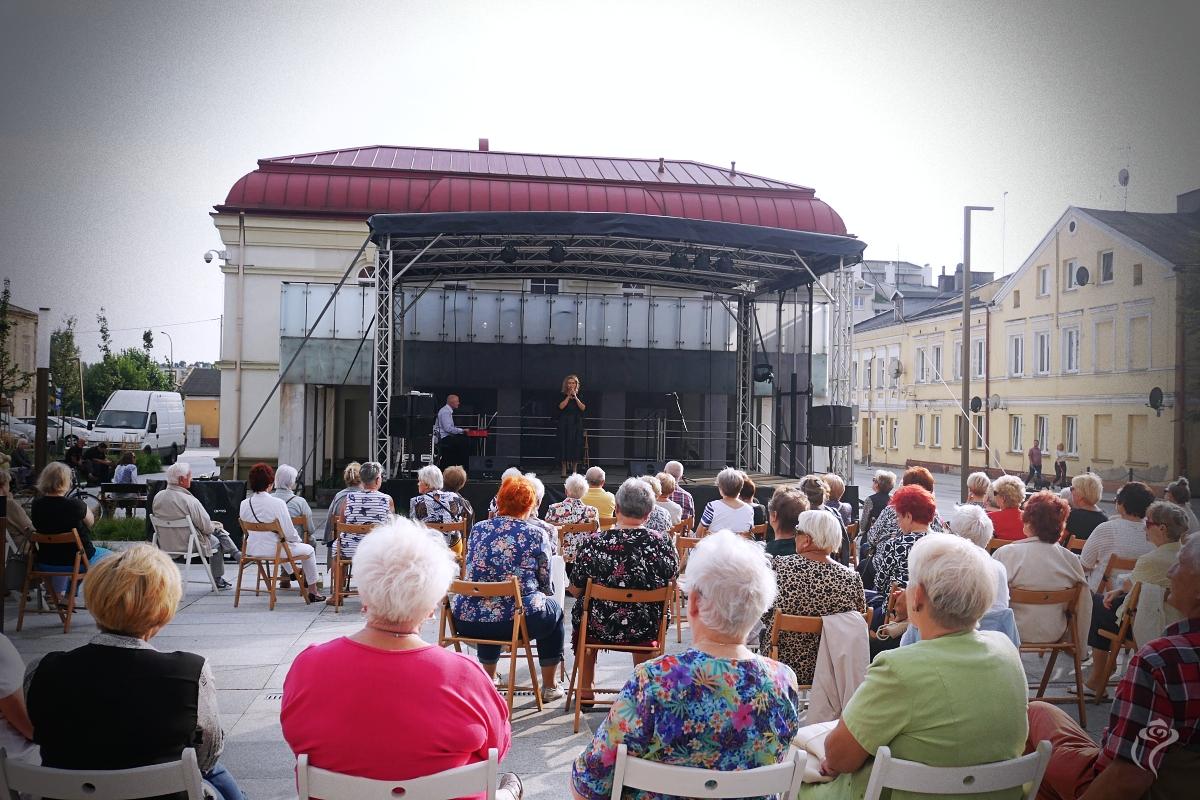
pixel 208 257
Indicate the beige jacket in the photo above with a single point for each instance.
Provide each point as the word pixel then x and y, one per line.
pixel 1033 564
pixel 842 659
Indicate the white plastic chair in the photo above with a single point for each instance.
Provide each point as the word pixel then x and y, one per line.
pixel 782 779
pixel 478 778
pixel 118 784
pixel 909 776
pixel 180 527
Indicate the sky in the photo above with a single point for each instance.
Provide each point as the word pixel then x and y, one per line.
pixel 124 122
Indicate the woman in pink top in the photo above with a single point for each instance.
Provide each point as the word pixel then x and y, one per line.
pixel 382 703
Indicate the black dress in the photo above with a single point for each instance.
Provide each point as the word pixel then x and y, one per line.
pixel 569 422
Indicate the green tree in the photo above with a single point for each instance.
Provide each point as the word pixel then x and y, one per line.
pixel 131 368
pixel 105 337
pixel 147 341
pixel 13 379
pixel 64 371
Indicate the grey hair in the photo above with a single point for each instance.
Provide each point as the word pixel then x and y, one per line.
pixel 822 528
pixel 729 481
pixel 733 580
pixel 674 469
pixel 956 577
pixel 1089 487
pixel 595 476
pixel 971 523
pixel 1180 490
pixel 575 485
pixel 539 488
pixel 431 476
pixel 979 483
pixel 402 572
pixel 653 483
pixel 1171 516
pixel 370 472
pixel 885 479
pixel 667 482
pixel 635 498
pixel 285 477
pixel 177 472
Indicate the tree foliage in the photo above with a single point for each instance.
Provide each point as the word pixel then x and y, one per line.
pixel 64 371
pixel 131 368
pixel 13 379
pixel 105 337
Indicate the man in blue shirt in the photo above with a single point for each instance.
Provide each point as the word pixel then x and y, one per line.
pixel 450 439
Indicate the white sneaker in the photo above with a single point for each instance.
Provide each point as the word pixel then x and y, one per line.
pixel 552 693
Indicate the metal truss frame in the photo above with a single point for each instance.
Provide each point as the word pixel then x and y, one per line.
pixel 381 411
pixel 841 351
pixel 744 442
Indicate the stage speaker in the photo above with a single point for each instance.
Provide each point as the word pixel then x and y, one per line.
pixel 851 496
pixel 639 468
pixel 413 415
pixel 830 426
pixel 488 468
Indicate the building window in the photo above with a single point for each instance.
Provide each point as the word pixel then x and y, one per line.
pixel 935 357
pixel 1041 429
pixel 543 286
pixel 959 422
pixel 1016 356
pixel 1071 350
pixel 1106 267
pixel 1041 348
pixel 853 375
pixel 1043 281
pixel 1016 298
pixel 895 434
pixel 935 432
pixel 977 358
pixel 1069 269
pixel 881 439
pixel 881 373
pixel 921 430
pixel 922 368
pixel 1014 435
pixel 867 374
pixel 1137 274
pixel 859 301
pixel 958 361
pixel 1070 435
pixel 978 431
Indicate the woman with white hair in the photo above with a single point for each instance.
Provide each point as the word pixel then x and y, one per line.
pixel 729 512
pixel 572 511
pixel 508 473
pixel 1009 494
pixel 660 518
pixel 448 714
pixel 285 490
pixel 716 705
pixel 811 584
pixel 435 504
pixel 972 523
pixel 1085 516
pixel 666 487
pixel 978 486
pixel 630 555
pixel 924 701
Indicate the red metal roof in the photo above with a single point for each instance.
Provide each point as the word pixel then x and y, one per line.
pixel 362 181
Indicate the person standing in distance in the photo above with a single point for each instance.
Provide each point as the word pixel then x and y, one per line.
pixel 451 439
pixel 569 423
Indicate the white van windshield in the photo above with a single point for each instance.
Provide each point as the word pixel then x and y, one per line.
pixel 121 419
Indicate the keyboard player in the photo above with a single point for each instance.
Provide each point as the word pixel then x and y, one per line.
pixel 452 444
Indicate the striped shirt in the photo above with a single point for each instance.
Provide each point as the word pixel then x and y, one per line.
pixel 363 508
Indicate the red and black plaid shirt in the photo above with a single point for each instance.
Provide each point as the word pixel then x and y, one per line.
pixel 1158 701
pixel 684 498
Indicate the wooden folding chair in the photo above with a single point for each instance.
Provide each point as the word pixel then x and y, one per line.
pixel 682 528
pixel 995 544
pixel 595 592
pixel 758 533
pixel 339 569
pixel 792 623
pixel 683 546
pixel 1075 544
pixel 36 571
pixel 889 612
pixel 1065 644
pixel 607 522
pixel 448 630
pixel 268 569
pixel 301 525
pixel 574 530
pixel 1115 565
pixel 462 528
pixel 1122 639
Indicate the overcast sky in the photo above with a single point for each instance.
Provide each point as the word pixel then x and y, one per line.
pixel 124 123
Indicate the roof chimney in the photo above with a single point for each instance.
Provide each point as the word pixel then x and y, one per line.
pixel 662 165
pixel 732 168
pixel 483 145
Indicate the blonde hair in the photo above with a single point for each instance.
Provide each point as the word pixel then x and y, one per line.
pixel 55 478
pixel 979 483
pixel 1089 487
pixel 133 592
pixel 837 486
pixel 667 481
pixel 350 475
pixel 1009 491
pixel 564 383
pixel 655 484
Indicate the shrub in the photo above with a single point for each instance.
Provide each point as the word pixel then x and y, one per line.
pixel 148 463
pixel 120 529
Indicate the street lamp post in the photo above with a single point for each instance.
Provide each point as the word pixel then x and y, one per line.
pixel 171 342
pixel 965 423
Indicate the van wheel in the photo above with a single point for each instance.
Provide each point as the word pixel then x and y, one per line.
pixel 173 456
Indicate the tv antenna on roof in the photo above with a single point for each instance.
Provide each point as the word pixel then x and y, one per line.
pixel 1123 180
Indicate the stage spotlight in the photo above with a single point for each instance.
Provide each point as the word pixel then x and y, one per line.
pixel 678 260
pixel 509 254
pixel 724 263
pixel 763 373
pixel 701 261
pixel 558 253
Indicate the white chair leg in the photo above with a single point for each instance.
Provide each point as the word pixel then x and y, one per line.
pixel 204 562
pixel 187 563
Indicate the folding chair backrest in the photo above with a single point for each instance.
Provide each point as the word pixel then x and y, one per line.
pixel 172 535
pixel 682 527
pixel 607 522
pixel 349 527
pixel 472 779
pixel 1116 565
pixel 791 623
pixel 909 776
pixel 120 784
pixel 301 524
pixel 37 539
pixel 683 546
pixel 781 779
pixel 273 526
pixel 852 530
pixel 1040 597
pixel 1075 544
pixel 618 595
pixel 995 544
pixel 445 527
pixel 759 531
pixel 508 588
pixel 580 527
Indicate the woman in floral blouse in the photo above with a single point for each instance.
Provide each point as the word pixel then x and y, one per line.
pixel 915 509
pixel 660 518
pixel 628 556
pixel 572 511
pixel 435 504
pixel 497 550
pixel 716 705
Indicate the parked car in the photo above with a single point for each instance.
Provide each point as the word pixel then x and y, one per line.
pixel 69 429
pixel 16 427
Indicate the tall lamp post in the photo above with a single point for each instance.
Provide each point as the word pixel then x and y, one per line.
pixel 171 342
pixel 43 388
pixel 965 422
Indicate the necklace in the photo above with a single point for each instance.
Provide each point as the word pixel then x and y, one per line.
pixel 392 631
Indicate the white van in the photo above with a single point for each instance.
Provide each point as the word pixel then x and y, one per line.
pixel 151 420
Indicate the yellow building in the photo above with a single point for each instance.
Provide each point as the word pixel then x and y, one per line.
pixel 201 391
pixel 1065 351
pixel 22 347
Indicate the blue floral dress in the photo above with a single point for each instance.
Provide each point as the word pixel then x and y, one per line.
pixel 694 710
pixel 497 550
